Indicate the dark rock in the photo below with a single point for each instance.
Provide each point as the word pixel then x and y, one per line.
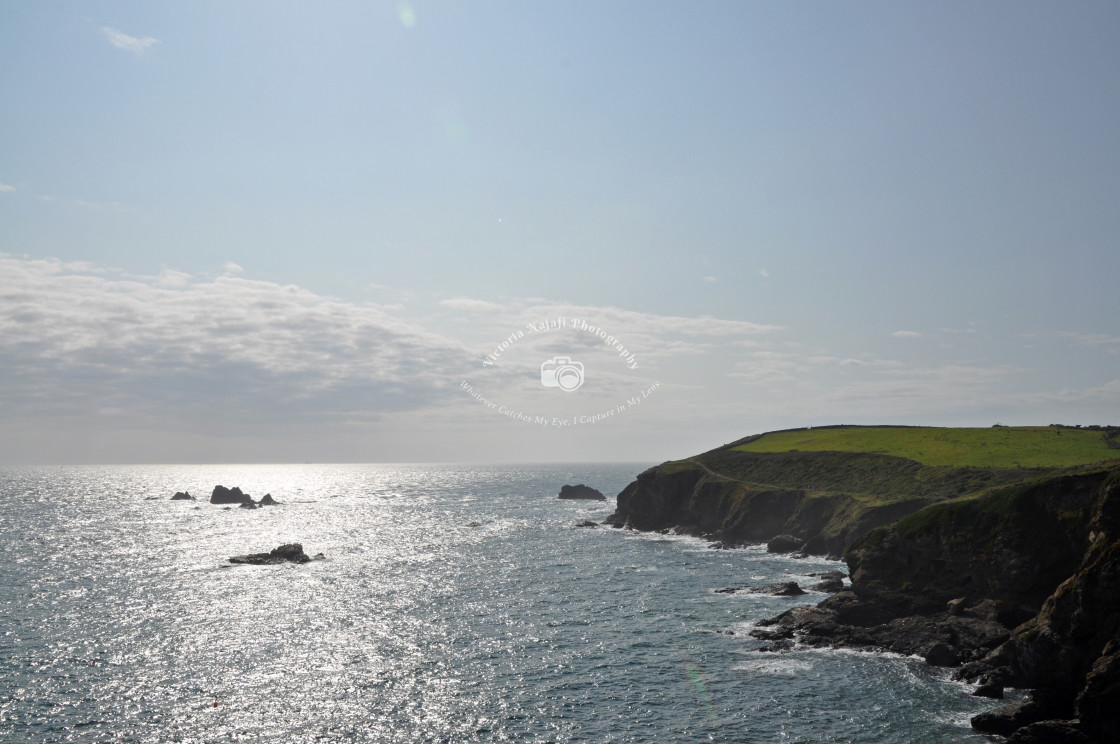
pixel 784 589
pixel 1004 720
pixel 1007 719
pixel 784 544
pixel 1051 732
pixel 581 492
pixel 829 585
pixel 288 553
pixel 182 496
pixel 828 575
pixel 588 523
pixel 474 524
pixel 989 690
pixel 1097 702
pixel 729 589
pixel 267 500
pixel 319 557
pixel 942 655
pixel 223 495
pixel 955 606
pixel 772 635
pixel 247 505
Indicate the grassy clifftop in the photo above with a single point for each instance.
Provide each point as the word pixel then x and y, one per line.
pixel 829 486
pixel 995 447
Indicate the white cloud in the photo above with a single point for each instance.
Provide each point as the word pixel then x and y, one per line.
pixel 1091 339
pixel 6 189
pixel 764 273
pixel 134 44
pixel 232 268
pixel 469 305
pixel 619 320
pixel 72 335
pixel 710 279
pixel 906 334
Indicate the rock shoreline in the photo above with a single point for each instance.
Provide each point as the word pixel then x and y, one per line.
pixel 1019 588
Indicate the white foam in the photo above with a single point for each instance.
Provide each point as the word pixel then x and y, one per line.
pixel 777 665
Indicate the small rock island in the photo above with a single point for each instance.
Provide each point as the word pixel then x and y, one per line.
pixel 581 492
pixel 223 495
pixel 289 553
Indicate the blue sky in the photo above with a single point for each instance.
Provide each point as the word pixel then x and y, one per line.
pixel 285 231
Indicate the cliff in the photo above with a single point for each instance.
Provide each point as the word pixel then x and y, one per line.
pixel 1019 587
pixel 826 500
pixel 993 551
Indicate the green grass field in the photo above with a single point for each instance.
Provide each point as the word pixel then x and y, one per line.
pixel 996 447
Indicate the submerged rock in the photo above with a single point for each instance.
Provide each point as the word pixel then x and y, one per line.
pixel 182 496
pixel 288 553
pixel 784 589
pixel 581 492
pixel 588 523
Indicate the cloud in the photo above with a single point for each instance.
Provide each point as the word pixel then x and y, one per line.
pixel 619 320
pixel 469 305
pixel 764 273
pixel 232 268
pixel 1091 339
pixel 710 279
pixel 75 338
pixel 906 334
pixel 6 189
pixel 121 40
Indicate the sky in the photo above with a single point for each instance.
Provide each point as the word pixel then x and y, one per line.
pixel 570 231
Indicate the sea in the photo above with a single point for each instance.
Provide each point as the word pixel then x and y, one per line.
pixel 453 603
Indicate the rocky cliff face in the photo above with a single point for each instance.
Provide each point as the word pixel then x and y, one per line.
pixel 1018 587
pixel 694 499
pixel 1070 652
pixel 1013 546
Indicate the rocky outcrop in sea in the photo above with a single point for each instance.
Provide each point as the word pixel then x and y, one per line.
pixel 289 553
pixel 581 492
pixel 223 495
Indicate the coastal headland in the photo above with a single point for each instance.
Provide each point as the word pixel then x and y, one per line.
pixel 992 550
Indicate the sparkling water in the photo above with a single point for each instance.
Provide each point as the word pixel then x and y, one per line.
pixel 455 604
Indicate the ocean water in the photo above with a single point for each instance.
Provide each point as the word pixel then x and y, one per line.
pixel 121 622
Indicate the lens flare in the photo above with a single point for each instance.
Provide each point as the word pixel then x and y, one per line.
pixel 700 690
pixel 406 14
